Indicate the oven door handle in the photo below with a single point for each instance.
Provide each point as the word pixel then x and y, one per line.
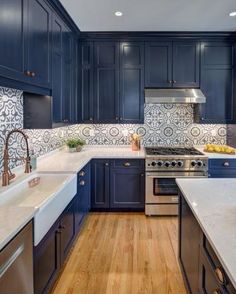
pixel 166 176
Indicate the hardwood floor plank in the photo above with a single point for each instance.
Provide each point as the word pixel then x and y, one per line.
pixel 124 253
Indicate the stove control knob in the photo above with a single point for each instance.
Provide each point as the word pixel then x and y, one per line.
pixel 199 163
pixel 153 163
pixel 160 163
pixel 167 163
pixel 180 163
pixel 193 163
pixel 173 163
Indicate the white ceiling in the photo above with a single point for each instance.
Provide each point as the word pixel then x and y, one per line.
pixel 152 15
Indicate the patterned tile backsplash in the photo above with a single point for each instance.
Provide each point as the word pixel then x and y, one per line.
pixel 166 125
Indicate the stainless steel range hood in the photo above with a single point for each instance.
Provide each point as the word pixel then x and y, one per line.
pixel 155 96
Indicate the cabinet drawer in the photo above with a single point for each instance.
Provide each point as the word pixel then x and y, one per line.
pixel 128 163
pixel 224 164
pixel 215 267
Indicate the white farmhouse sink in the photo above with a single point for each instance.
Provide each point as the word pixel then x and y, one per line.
pixel 50 197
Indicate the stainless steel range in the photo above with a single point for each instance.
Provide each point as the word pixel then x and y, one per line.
pixel 163 166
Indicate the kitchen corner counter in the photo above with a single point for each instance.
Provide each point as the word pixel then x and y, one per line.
pixel 63 161
pixel 215 155
pixel 213 203
pixel 12 220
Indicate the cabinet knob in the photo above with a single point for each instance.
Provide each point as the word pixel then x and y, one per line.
pixel 106 164
pixel 117 118
pixel 126 164
pixel 65 120
pixel 27 73
pixel 220 276
pixel 121 118
pixel 142 175
pixel 226 163
pixel 82 183
pixel 174 81
pixel 170 82
pixel 58 231
pixel 91 119
pixel 82 173
pixel 32 74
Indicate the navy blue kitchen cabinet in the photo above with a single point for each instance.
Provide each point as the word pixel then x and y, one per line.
pixel 100 179
pixel 85 84
pixel 127 182
pixel 12 45
pixel 47 260
pixel 189 245
pixel 117 184
pixel 111 82
pixel 83 197
pixel 158 67
pixel 222 168
pixel 106 82
pixel 38 59
pixel 217 83
pixel 172 64
pixel 131 82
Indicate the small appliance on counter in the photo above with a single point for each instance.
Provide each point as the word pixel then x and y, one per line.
pixel 163 166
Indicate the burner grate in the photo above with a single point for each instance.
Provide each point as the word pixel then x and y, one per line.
pixel 172 151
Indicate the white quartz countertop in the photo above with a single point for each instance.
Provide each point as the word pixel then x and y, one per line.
pixel 63 161
pixel 213 202
pixel 12 220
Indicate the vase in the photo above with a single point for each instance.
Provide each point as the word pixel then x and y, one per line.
pixel 135 145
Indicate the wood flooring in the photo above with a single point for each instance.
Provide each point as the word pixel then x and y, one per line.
pixel 123 253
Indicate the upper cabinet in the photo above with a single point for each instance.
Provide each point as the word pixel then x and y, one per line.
pixel 111 76
pixel 217 83
pixel 106 82
pixel 131 82
pixel 38 53
pixel 25 49
pixel 172 64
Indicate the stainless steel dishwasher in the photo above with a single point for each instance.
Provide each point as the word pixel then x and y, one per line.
pixel 16 264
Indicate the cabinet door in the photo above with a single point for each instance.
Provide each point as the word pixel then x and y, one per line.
pixel 127 188
pixel 47 261
pixel 12 33
pixel 106 82
pixel 57 67
pixel 189 245
pixel 186 59
pixel 67 230
pixel 39 43
pixel 85 106
pixel 158 64
pixel 217 83
pixel 131 82
pixel 100 184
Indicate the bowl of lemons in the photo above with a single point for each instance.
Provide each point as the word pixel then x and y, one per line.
pixel 213 148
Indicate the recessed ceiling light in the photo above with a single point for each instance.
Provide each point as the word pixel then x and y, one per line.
pixel 233 13
pixel 118 13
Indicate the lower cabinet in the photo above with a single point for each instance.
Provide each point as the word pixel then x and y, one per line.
pixel 201 268
pixel 189 238
pixel 50 254
pixel 117 184
pixel 222 168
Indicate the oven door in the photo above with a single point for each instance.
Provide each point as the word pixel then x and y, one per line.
pixel 162 188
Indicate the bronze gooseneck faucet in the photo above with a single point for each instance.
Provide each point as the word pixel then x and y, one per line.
pixel 7 175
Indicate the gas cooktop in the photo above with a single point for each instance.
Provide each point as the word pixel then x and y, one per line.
pixel 170 151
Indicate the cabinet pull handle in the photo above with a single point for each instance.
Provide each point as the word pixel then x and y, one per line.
pixel 170 82
pixel 82 183
pixel 82 173
pixel 174 81
pixel 226 163
pixel 220 276
pixel 11 260
pixel 126 164
pixel 58 231
pixel 117 118
pixel 27 73
pixel 32 74
pixel 121 118
pixel 142 175
pixel 65 120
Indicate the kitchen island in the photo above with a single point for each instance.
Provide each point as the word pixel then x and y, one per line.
pixel 207 234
